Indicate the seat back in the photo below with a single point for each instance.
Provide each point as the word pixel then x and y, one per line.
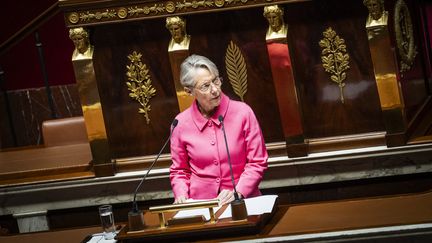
pixel 64 131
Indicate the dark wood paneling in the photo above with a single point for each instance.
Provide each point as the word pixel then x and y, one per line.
pixel 414 84
pixel 386 186
pixel 128 133
pixel 211 35
pixel 29 108
pixel 127 130
pixel 8 225
pixel 324 114
pixel 6 129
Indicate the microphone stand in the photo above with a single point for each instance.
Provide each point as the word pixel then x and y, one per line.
pixel 238 206
pixel 135 216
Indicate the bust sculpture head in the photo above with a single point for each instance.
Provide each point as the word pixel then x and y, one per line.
pixel 177 28
pixel 375 7
pixel 274 16
pixel 80 38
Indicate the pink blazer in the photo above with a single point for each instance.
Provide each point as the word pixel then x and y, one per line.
pixel 200 168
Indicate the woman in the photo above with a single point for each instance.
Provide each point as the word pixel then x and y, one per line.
pixel 200 168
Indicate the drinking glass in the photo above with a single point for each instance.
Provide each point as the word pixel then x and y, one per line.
pixel 107 220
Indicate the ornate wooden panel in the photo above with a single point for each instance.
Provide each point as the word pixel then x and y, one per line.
pixel 128 133
pixel 324 113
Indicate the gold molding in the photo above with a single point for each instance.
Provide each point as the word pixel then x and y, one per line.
pixel 219 3
pixel 107 14
pixel 404 36
pixel 194 4
pixel 236 70
pixel 156 8
pixel 139 84
pixel 162 8
pixel 334 58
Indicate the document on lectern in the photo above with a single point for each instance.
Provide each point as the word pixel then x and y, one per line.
pixel 255 206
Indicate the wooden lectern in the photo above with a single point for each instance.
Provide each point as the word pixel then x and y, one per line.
pixel 191 228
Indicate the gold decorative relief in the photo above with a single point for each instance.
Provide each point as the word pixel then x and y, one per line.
pixel 139 84
pixel 155 9
pixel 73 17
pixel 334 58
pixel 194 4
pixel 108 14
pixel 149 10
pixel 242 1
pixel 122 13
pixel 219 3
pixel 404 36
pixel 170 7
pixel 236 70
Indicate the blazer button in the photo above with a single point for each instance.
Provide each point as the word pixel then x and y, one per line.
pixel 212 142
pixel 217 180
pixel 215 162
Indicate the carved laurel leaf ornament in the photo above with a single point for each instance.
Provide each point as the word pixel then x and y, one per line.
pixel 236 70
pixel 139 84
pixel 334 58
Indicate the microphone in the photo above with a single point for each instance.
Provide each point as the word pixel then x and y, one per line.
pixel 229 158
pixel 136 220
pixel 238 206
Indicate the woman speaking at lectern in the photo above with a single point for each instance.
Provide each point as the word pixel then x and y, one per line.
pixel 200 168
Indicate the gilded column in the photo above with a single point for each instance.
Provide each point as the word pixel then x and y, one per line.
pixel 82 60
pixel 178 50
pixel 283 79
pixel 383 59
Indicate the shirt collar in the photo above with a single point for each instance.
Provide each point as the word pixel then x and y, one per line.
pixel 200 121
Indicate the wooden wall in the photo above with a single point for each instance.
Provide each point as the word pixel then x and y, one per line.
pixel 23 112
pixel 322 114
pixel 128 133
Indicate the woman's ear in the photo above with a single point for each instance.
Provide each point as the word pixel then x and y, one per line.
pixel 188 90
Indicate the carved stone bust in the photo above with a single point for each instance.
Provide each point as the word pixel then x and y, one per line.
pixel 277 28
pixel 179 39
pixel 377 15
pixel 80 38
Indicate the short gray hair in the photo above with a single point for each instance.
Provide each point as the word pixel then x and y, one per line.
pixel 189 67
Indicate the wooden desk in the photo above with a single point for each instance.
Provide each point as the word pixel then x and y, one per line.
pixel 63 236
pixel 348 215
pixel 45 164
pixel 298 219
pixel 354 214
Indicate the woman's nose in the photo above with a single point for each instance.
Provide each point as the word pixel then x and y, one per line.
pixel 213 88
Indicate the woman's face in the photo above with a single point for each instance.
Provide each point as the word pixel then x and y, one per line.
pixel 210 99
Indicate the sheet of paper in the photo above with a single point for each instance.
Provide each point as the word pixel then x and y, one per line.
pixel 254 206
pixel 99 238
